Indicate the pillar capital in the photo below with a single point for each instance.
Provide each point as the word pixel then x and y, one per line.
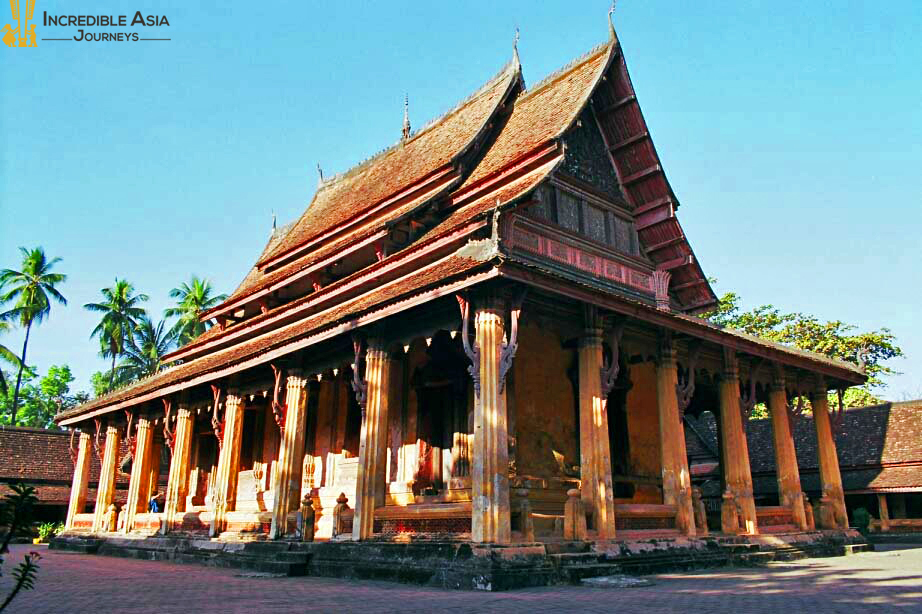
pixel 819 390
pixel 731 366
pixel 777 383
pixel 666 352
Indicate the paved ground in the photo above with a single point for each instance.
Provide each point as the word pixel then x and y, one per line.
pixel 889 580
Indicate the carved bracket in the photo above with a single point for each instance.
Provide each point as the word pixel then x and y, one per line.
pixel 748 400
pixel 131 440
pixel 71 450
pixel 686 390
pixel 472 352
pixel 609 372
pixel 217 424
pixel 507 353
pixel 837 415
pixel 359 382
pixel 169 435
pixel 661 280
pixel 279 410
pixel 96 445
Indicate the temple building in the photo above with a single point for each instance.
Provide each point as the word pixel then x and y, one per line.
pixel 485 335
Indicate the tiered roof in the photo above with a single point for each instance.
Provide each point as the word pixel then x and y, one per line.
pixel 489 153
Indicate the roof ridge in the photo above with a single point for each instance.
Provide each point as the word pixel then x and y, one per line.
pixel 512 66
pixel 565 69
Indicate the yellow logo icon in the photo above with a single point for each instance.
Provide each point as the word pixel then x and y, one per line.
pixel 24 34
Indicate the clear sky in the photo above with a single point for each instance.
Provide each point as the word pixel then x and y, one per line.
pixel 791 133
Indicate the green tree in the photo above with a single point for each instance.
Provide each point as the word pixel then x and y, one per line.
pixel 40 400
pixel 834 338
pixel 145 349
pixel 193 299
pixel 120 316
pixel 31 290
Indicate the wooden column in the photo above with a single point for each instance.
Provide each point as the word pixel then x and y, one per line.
pixel 178 483
pixel 789 491
pixel 140 474
pixel 105 491
pixel 596 487
pixel 676 477
pixel 371 480
pixel 225 489
pixel 884 512
pixel 830 477
pixel 287 484
pixel 737 472
pixel 78 487
pixel 490 519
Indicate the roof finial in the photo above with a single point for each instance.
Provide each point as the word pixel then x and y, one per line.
pixel 273 221
pixel 611 21
pixel 515 45
pixel 406 116
pixel 320 172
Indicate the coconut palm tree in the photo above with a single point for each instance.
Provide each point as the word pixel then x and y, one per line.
pixel 144 351
pixel 194 299
pixel 30 290
pixel 120 316
pixel 6 354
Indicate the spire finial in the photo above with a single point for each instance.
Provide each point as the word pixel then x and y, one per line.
pixel 319 172
pixel 515 45
pixel 611 21
pixel 273 221
pixel 406 116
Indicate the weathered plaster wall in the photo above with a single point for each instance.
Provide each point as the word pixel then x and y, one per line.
pixel 545 405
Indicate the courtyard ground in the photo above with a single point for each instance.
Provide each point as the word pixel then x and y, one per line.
pixel 889 580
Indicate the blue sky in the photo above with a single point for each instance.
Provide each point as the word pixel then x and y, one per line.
pixel 791 133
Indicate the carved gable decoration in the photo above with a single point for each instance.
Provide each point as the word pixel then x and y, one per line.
pixel 587 158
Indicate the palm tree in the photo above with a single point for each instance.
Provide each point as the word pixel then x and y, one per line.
pixel 195 298
pixel 31 291
pixel 6 354
pixel 144 351
pixel 120 317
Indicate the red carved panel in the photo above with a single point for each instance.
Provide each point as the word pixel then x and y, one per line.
pixel 412 526
pixel 637 523
pixel 82 523
pixel 570 255
pixel 774 517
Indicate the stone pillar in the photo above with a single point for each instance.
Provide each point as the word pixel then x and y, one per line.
pixel 676 477
pixel 490 521
pixel 78 487
pixel 140 474
pixel 737 472
pixel 178 483
pixel 225 485
pixel 287 484
pixel 830 478
pixel 371 479
pixel 884 512
pixel 789 491
pixel 595 455
pixel 105 491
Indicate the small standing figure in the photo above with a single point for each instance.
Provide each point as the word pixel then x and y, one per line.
pixel 808 513
pixel 111 522
pixel 729 515
pixel 701 517
pixel 306 516
pixel 156 502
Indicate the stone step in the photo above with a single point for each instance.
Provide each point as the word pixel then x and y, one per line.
pixel 575 573
pixel 566 547
pixel 849 549
pixel 754 558
pixel 739 548
pixel 575 558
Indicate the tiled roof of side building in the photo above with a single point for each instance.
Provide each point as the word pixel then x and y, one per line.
pixel 42 455
pixel 878 446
